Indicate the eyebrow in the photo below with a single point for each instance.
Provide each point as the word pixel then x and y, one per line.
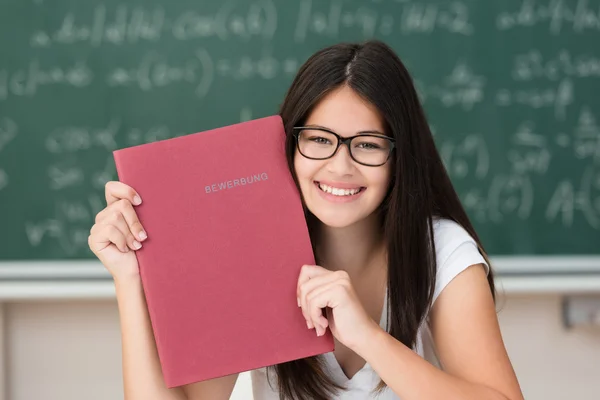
pixel 358 133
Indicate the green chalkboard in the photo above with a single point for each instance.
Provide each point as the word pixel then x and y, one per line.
pixel 510 87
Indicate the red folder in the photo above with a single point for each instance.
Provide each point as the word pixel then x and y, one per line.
pixel 226 240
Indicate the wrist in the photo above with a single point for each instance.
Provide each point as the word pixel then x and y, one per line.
pixel 373 333
pixel 126 282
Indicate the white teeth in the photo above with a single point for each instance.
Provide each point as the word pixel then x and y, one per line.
pixel 338 192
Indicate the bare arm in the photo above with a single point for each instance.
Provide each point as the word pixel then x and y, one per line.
pixel 467 336
pixel 142 374
pixel 114 238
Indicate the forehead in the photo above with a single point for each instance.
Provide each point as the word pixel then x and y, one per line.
pixel 346 113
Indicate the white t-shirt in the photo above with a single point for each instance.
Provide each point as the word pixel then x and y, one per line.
pixel 455 251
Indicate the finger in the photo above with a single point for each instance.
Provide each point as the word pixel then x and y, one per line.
pixel 118 220
pixel 131 217
pixel 107 235
pixel 317 300
pixel 115 191
pixel 306 273
pixel 124 207
pixel 309 286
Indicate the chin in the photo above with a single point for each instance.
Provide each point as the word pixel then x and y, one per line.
pixel 338 215
pixel 336 219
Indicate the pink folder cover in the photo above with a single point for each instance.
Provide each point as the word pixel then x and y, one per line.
pixel 226 240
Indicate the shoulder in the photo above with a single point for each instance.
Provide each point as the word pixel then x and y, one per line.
pixel 455 251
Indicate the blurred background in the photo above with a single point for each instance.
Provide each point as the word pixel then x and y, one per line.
pixel 510 88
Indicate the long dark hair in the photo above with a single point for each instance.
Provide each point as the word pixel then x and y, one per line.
pixel 420 190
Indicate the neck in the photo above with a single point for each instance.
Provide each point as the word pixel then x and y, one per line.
pixel 355 249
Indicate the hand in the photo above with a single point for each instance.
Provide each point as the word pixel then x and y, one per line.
pixel 320 288
pixel 118 232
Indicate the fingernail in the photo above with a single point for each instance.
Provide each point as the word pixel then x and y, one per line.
pixel 136 244
pixel 310 325
pixel 307 324
pixel 325 322
pixel 143 235
pixel 318 329
pixel 137 200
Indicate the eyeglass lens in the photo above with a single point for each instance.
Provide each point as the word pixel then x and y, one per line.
pixel 319 144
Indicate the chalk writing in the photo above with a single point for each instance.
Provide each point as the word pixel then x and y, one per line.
pixel 558 98
pixel 71 239
pixel 414 18
pixel 260 20
pixel 108 173
pixel 264 67
pixel 510 194
pixel 566 200
pixel 532 65
pixel 452 17
pixel 245 114
pixel 71 139
pixel 461 88
pixel 531 153
pixel 36 231
pixel 470 157
pixel 155 71
pixel 508 91
pixel 3 179
pixel 69 226
pixel 8 131
pixel 134 136
pixel 557 14
pixel 3 84
pixel 27 81
pixel 586 143
pixel 62 177
pixel 328 23
pixel 127 25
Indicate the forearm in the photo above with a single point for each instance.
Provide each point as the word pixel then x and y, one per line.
pixel 142 375
pixel 413 378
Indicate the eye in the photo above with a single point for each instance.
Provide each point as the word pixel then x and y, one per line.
pixel 368 146
pixel 319 139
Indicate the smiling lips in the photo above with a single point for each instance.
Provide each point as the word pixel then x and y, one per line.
pixel 339 191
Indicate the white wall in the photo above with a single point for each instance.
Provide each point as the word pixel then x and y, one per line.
pixel 69 350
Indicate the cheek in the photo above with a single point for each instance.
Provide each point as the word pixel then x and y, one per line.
pixel 305 169
pixel 298 165
pixel 379 178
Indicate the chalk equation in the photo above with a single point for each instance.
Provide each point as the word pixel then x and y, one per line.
pixel 152 71
pixel 68 227
pixel 128 25
pixel 509 92
pixel 462 88
pixel 578 16
pixel 8 132
pixel 3 179
pixel 534 65
pixel 409 17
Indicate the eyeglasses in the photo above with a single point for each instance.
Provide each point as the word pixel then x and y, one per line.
pixel 369 149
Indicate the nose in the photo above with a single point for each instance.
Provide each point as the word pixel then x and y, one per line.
pixel 341 163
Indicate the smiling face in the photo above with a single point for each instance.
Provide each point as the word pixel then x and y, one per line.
pixel 338 190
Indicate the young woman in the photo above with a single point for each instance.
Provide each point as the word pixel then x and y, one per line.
pixel 405 282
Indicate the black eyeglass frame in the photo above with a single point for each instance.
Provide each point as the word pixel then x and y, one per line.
pixel 340 141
